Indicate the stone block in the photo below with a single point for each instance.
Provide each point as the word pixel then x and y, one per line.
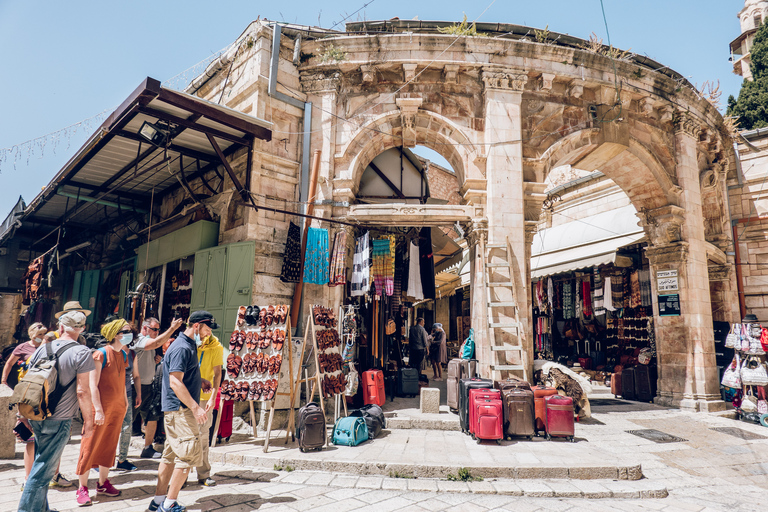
pixel 7 422
pixel 430 401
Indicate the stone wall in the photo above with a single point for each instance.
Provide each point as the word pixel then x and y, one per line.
pixel 10 309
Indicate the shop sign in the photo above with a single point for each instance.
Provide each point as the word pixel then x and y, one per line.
pixel 666 281
pixel 669 305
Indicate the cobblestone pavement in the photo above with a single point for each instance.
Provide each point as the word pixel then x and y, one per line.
pixel 707 468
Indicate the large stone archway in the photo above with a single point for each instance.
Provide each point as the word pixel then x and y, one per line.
pixel 504 113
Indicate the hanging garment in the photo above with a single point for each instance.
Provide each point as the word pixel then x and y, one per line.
pixel 414 274
pixel 361 266
pixel 398 279
pixel 635 298
pixel 646 299
pixel 292 256
pixel 380 255
pixel 539 295
pixel 337 274
pixel 389 266
pixel 559 295
pixel 608 295
pixel 427 263
pixel 316 258
pixel 586 297
pixel 569 310
pixel 627 294
pixel 617 290
pixel 550 294
pixel 598 304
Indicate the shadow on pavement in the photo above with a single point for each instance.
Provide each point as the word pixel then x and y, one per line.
pixel 10 467
pixel 251 476
pixel 236 502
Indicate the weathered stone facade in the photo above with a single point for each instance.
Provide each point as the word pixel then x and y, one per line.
pixel 504 113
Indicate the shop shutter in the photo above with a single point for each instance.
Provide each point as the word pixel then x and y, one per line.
pixel 200 280
pixel 85 289
pixel 125 281
pixel 214 297
pixel 239 281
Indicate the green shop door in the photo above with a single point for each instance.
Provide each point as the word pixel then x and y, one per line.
pixel 85 289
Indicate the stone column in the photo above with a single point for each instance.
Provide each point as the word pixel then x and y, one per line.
pixel 505 200
pixel 478 237
pixel 688 375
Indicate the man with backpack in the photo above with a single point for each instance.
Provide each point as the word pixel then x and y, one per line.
pixel 74 364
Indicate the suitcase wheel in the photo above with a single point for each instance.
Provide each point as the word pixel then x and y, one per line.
pixel 301 450
pixel 572 439
pixel 479 441
pixel 549 437
pixel 530 438
pixel 498 442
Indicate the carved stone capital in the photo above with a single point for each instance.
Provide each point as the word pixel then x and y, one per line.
pixel 686 124
pixel 451 73
pixel 576 88
pixel 408 108
pixel 719 272
pixel 369 74
pixel 547 80
pixel 321 82
pixel 646 105
pixel 508 80
pixel 409 72
pixel 478 230
pixel 663 225
pixel 531 227
pixel 534 198
pixel 708 179
pixel 666 113
pixel 672 255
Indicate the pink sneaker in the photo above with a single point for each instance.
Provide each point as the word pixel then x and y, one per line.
pixel 83 499
pixel 107 489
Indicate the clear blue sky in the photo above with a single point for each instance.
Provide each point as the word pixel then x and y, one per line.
pixel 65 61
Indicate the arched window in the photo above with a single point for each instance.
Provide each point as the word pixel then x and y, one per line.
pixel 758 19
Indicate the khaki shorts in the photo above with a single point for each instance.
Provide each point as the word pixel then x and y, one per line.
pixel 182 446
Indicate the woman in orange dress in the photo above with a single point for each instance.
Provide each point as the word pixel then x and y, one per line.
pixel 109 405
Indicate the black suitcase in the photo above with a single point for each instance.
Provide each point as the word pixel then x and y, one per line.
pixel 645 381
pixel 374 418
pixel 464 386
pixel 310 427
pixel 628 384
pixel 408 382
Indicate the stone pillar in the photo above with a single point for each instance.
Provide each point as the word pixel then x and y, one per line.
pixel 505 200
pixel 688 375
pixel 478 237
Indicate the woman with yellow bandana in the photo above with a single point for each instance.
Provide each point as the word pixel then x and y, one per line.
pixel 109 404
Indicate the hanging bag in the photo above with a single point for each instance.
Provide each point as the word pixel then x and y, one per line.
pixel 762 404
pixel 468 348
pixel 753 373
pixel 749 403
pixel 732 339
pixel 764 338
pixel 744 338
pixel 732 374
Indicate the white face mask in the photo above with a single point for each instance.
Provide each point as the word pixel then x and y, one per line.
pixel 38 340
pixel 126 339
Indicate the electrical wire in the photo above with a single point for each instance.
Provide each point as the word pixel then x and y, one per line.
pixel 357 11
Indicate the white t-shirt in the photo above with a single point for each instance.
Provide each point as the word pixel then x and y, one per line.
pixel 145 360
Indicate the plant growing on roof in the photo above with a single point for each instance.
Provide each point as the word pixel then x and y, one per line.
pixel 595 45
pixel 541 35
pixel 461 29
pixel 332 54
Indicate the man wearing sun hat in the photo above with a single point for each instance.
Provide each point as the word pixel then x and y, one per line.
pixel 69 307
pixel 184 416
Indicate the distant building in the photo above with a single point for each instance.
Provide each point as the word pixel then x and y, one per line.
pixel 750 17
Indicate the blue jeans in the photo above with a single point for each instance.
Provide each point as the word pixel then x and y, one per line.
pixel 126 432
pixel 51 437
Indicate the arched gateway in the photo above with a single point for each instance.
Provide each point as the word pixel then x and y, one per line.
pixel 504 111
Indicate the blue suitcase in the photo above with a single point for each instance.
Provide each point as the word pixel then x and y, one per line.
pixel 350 431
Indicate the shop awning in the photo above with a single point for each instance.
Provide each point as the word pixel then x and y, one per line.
pixel 584 243
pixel 446 251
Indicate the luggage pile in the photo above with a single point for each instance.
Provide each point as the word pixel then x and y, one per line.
pixel 494 411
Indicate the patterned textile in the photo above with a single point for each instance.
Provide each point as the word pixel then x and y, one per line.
pixel 361 266
pixel 398 285
pixel 569 310
pixel 292 256
pixel 338 272
pixel 645 288
pixel 559 295
pixel 316 258
pixel 380 265
pixel 389 264
pixel 586 296
pixel 608 295
pixel 635 300
pixel 414 274
pixel 598 305
pixel 550 294
pixel 627 293
pixel 617 290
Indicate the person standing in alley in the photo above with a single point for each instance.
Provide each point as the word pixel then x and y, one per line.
pixel 110 401
pixel 133 392
pixel 51 435
pixel 211 357
pixel 437 347
pixel 183 414
pixel 417 344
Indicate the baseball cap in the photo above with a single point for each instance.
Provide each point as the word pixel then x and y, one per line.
pixel 203 317
pixel 73 319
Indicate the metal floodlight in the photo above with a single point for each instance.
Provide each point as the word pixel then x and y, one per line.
pixel 153 133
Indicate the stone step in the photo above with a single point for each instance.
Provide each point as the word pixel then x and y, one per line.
pixel 506 348
pixel 531 488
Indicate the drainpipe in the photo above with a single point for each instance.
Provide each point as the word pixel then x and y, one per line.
pixel 735 234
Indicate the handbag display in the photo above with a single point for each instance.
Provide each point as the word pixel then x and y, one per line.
pixel 764 338
pixel 390 328
pixel 749 403
pixel 732 374
pixel 744 338
pixel 754 376
pixel 732 339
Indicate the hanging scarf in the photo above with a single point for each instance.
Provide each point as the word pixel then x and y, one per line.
pixel 292 255
pixel 316 257
pixel 414 274
pixel 361 267
pixel 598 304
pixel 645 288
pixel 586 295
pixel 608 295
pixel 337 274
pixel 540 295
pixel 569 310
pixel 380 264
pixel 635 298
pixel 617 290
pixel 550 294
pixel 627 290
pixel 559 296
pixel 389 267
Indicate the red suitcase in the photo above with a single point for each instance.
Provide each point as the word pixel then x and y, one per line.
pixel 539 393
pixel 477 397
pixel 373 388
pixel 616 384
pixel 559 417
pixel 488 420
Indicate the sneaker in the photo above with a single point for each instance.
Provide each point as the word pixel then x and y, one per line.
pixel 174 508
pixel 59 481
pixel 126 466
pixel 22 486
pixel 83 499
pixel 153 506
pixel 150 453
pixel 107 489
pixel 207 482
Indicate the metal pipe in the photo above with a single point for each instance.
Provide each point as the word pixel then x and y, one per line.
pixel 102 202
pixel 295 304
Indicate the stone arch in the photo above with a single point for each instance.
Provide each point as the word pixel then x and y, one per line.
pixel 385 131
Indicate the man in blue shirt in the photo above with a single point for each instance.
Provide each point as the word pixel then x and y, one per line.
pixel 180 401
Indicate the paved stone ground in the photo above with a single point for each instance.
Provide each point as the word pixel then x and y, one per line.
pixel 710 470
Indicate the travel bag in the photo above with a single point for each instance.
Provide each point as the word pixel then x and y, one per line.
pixel 310 427
pixel 374 419
pixel 373 387
pixel 350 431
pixel 488 418
pixel 477 396
pixel 628 384
pixel 453 374
pixel 504 385
pixel 645 389
pixel 616 384
pixel 464 386
pixel 559 417
pixel 519 415
pixel 539 394
pixel 408 382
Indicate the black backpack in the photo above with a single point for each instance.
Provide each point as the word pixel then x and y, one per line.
pixel 311 428
pixel 374 418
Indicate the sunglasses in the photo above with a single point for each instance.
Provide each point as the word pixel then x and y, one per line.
pixel 155 329
pixel 126 332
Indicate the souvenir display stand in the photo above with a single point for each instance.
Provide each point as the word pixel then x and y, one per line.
pixel 746 376
pixel 256 355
